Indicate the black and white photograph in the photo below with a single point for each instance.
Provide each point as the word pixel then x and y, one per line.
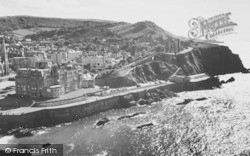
pixel 124 78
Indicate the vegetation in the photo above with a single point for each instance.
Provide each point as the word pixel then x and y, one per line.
pixel 26 22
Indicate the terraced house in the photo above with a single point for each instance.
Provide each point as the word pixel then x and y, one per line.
pixel 51 82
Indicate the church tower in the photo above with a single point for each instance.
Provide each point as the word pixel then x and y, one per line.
pixel 6 60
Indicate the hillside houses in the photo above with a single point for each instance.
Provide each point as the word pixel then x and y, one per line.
pixel 51 82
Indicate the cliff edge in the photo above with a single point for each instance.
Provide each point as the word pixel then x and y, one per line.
pixel 211 59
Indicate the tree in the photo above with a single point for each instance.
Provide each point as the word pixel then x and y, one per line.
pixel 129 59
pixel 159 48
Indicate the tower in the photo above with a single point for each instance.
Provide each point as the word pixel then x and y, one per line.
pixel 178 45
pixel 6 60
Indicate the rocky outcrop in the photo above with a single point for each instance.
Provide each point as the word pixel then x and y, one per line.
pixel 146 97
pixel 203 58
pixel 144 125
pixel 116 82
pixel 211 59
pixel 156 70
pixel 102 121
pixel 130 116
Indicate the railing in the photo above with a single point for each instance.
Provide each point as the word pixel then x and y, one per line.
pixel 60 102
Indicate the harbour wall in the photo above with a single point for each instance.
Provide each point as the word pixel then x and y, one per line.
pixel 54 116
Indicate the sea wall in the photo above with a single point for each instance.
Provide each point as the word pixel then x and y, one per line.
pixel 53 116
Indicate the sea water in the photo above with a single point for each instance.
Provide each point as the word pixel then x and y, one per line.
pixel 217 124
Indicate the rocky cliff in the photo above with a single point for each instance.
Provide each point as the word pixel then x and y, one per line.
pixel 203 58
pixel 211 59
pixel 155 70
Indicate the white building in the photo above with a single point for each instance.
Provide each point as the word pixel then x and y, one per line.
pixel 94 59
pixel 88 80
pixel 57 58
pixel 72 54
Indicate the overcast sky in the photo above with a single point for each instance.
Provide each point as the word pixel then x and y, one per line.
pixel 172 15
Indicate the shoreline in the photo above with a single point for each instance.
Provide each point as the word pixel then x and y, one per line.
pixel 49 116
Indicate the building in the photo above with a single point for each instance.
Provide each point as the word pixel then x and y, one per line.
pixel 5 59
pixel 72 54
pixel 57 58
pixel 96 60
pixel 88 81
pixel 23 62
pixel 33 82
pixel 41 55
pixel 1 68
pixel 51 82
pixel 54 91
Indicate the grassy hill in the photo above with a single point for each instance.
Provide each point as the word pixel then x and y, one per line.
pixel 10 23
pixel 140 29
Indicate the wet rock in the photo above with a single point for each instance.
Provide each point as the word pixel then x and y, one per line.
pixel 222 82
pixel 23 133
pixel 46 145
pixel 210 83
pixel 170 94
pixel 232 79
pixel 20 132
pixel 244 153
pixel 132 103
pixel 151 100
pixel 126 100
pixel 162 94
pixel 102 121
pixel 201 99
pixel 186 101
pixel 144 125
pixel 143 102
pixel 148 95
pixel 130 116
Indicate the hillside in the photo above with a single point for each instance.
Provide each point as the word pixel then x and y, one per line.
pixel 140 29
pixel 155 70
pixel 26 22
pixel 114 37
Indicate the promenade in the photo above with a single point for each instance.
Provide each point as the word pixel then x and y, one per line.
pixel 24 110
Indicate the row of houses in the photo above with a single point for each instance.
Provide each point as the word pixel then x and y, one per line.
pixel 51 82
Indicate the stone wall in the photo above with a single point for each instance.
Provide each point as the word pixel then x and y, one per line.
pixel 47 117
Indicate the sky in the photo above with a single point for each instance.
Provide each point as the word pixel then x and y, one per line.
pixel 171 15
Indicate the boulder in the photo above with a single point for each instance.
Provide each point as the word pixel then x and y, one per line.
pixel 186 101
pixel 144 125
pixel 102 121
pixel 232 79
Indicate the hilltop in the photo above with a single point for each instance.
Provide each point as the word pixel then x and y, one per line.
pixel 9 23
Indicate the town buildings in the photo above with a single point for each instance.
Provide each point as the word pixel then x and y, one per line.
pixel 51 82
pixel 29 61
pixel 1 68
pixel 58 58
pixel 96 60
pixel 4 59
pixel 72 54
